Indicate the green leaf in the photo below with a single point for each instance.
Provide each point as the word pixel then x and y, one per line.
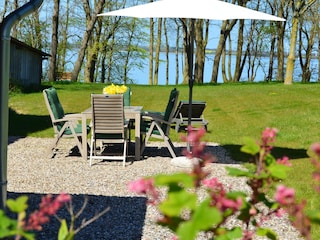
pixel 314 216
pixel 181 178
pixel 187 231
pixel 204 217
pixel 177 201
pixel 236 172
pixel 235 194
pixel 267 232
pixel 64 232
pixel 231 234
pixel 250 146
pixel 269 159
pixel 278 171
pixel 18 205
pixel 6 222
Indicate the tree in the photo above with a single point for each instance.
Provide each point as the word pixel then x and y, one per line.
pixel 226 28
pixel 282 9
pixel 86 37
pixel 306 40
pixel 167 49
pixel 64 23
pixel 201 40
pixel 158 49
pixel 54 41
pixel 299 7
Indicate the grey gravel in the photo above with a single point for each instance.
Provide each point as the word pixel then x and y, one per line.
pixel 32 172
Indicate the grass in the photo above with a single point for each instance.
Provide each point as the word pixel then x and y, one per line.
pixel 233 111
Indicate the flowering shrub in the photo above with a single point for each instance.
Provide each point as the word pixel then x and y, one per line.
pixel 25 228
pixel 115 89
pixel 186 215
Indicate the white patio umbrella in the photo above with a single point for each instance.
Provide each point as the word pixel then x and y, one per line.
pixel 196 9
pixel 192 9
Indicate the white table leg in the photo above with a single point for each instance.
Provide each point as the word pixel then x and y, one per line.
pixel 84 137
pixel 137 135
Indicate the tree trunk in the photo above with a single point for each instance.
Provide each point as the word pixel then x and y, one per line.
pixel 305 56
pixel 177 53
pixel 92 55
pixel 85 40
pixel 271 58
pixel 201 43
pixel 224 33
pixel 188 44
pixel 167 50
pixel 299 9
pixel 157 57
pixel 292 51
pixel 5 8
pixel 151 51
pixel 237 72
pixel 64 42
pixel 54 41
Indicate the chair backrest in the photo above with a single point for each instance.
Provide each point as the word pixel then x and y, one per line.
pixel 169 112
pixel 54 106
pixel 196 106
pixel 127 97
pixel 108 114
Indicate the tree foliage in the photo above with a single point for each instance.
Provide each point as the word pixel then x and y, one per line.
pixel 108 49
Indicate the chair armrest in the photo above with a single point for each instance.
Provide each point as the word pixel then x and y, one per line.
pixel 60 120
pixel 153 118
pixel 153 114
pixel 156 119
pixel 73 116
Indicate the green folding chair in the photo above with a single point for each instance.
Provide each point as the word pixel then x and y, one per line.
pixel 158 125
pixel 64 125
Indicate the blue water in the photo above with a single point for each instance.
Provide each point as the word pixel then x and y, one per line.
pixel 141 76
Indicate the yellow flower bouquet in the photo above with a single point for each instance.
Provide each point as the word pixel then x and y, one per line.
pixel 115 89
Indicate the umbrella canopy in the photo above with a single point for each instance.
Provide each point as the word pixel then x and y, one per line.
pixel 197 9
pixel 192 9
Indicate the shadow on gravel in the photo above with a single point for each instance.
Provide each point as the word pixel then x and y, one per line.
pixel 124 220
pixel 219 153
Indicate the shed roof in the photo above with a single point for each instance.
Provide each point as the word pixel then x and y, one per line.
pixel 22 44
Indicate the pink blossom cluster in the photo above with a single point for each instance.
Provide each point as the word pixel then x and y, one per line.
pixel 218 196
pixel 48 207
pixel 286 198
pixel 194 140
pixel 284 161
pixel 145 186
pixel 315 148
pixel 268 137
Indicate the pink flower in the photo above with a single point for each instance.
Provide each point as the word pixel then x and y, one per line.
pixel 145 186
pixel 141 186
pixel 280 212
pixel 253 211
pixel 48 207
pixel 231 204
pixel 284 161
pixel 284 196
pixel 316 148
pixel 269 134
pixel 247 235
pixel 212 183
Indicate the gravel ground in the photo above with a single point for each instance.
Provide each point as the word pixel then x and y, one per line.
pixel 32 172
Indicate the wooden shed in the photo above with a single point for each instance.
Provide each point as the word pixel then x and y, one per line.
pixel 25 64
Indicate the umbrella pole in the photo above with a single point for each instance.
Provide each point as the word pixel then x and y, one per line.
pixel 190 74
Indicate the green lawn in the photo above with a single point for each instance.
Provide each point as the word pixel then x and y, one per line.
pixel 233 111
